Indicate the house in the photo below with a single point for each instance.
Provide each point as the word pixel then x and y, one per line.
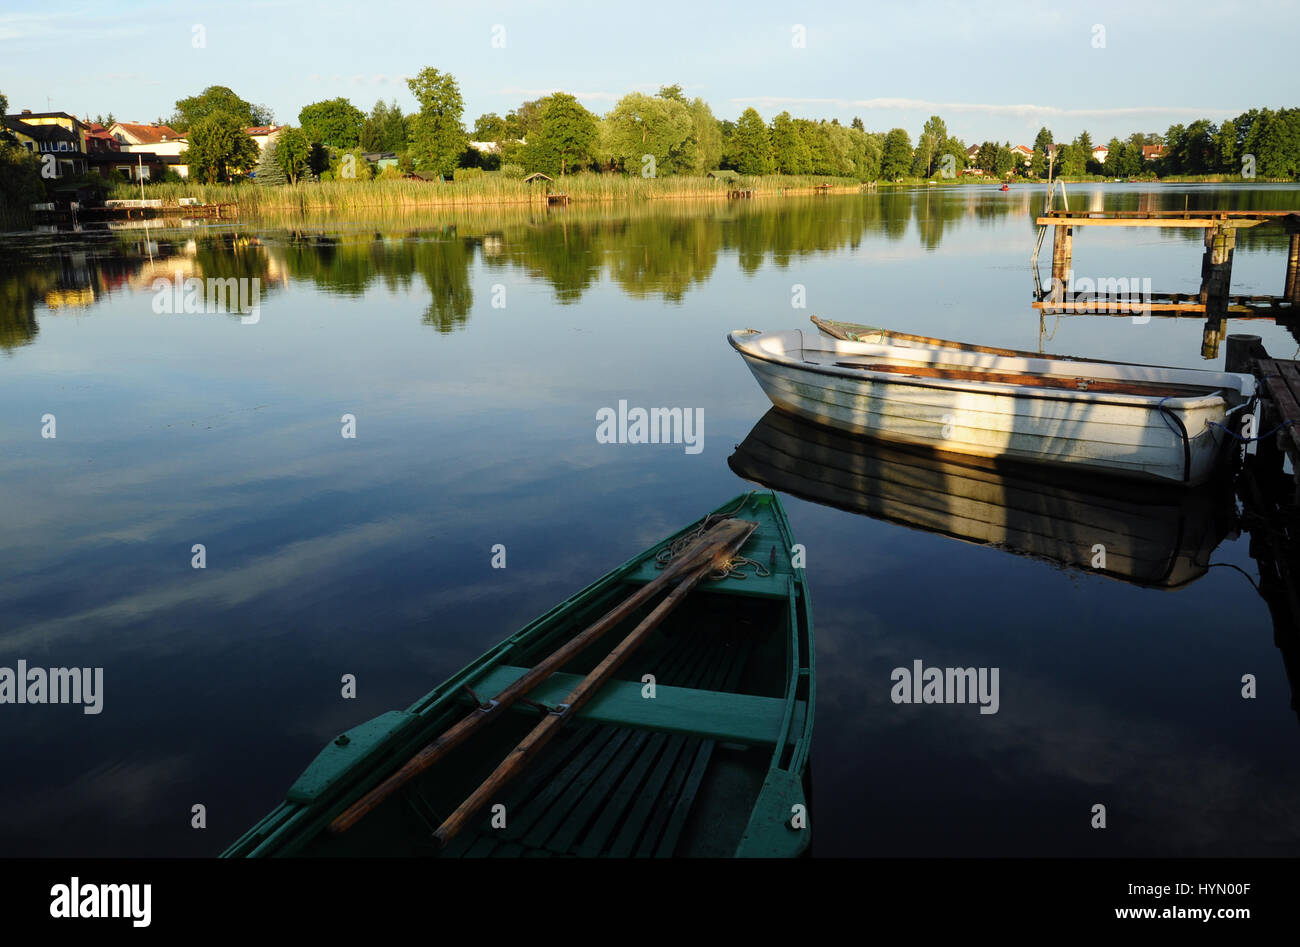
pixel 381 159
pixel 1099 154
pixel 264 134
pixel 103 151
pixel 56 136
pixel 1024 153
pixel 149 150
pixel 972 152
pixel 1152 152
pixel 726 175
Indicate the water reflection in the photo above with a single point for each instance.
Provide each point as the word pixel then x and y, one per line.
pixel 1152 535
pixel 662 250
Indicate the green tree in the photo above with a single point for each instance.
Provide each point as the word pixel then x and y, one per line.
pixel 565 138
pixel 640 125
pixel 1039 165
pixel 1004 161
pixel 490 127
pixel 1111 166
pixel 334 122
pixel 933 135
pixel 751 144
pixel 4 105
pixel 955 149
pixel 1275 143
pixel 218 99
pixel 293 153
pixel 21 184
pixel 219 149
pixel 708 136
pixel 790 154
pixel 522 121
pixel 269 172
pixel 986 159
pixel 896 160
pixel 438 140
pixel 857 124
pixel 1225 146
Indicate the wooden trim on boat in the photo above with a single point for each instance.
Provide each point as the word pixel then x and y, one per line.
pixel 998 377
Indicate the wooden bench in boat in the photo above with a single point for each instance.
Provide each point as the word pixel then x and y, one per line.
pixel 730 718
pixel 994 376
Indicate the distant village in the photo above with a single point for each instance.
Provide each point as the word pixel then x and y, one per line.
pixel 137 151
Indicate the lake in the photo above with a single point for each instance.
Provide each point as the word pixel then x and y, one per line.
pixel 473 352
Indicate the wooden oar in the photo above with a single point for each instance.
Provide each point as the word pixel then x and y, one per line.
pixel 583 692
pixel 717 545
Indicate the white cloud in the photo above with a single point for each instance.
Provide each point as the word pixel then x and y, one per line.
pixel 1025 110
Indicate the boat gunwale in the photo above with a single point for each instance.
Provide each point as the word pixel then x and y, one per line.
pixel 1002 389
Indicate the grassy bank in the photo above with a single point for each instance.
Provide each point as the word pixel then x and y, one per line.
pixel 327 196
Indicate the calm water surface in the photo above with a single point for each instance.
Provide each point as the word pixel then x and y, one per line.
pixel 474 351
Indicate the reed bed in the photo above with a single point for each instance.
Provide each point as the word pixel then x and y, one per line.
pixel 480 189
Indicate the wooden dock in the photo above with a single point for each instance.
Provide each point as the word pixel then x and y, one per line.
pixel 1214 302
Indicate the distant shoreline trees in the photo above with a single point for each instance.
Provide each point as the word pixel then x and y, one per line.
pixel 668 133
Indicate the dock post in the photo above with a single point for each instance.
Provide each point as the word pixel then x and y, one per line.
pixel 1216 269
pixel 1242 351
pixel 1216 278
pixel 1292 287
pixel 1062 251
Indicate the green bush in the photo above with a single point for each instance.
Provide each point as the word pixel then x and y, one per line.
pixel 512 170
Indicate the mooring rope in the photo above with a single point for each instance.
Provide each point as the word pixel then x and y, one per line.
pixel 731 569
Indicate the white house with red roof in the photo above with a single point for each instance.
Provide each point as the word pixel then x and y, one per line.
pixel 165 144
pixel 264 134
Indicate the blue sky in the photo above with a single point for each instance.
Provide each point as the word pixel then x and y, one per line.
pixel 991 70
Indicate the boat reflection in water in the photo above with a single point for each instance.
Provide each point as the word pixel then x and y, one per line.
pixel 1153 535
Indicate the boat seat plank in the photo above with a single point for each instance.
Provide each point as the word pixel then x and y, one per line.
pixel 733 718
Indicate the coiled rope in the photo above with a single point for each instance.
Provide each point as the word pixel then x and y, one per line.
pixel 731 569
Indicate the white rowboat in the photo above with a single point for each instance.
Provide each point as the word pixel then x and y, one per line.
pixel 1137 421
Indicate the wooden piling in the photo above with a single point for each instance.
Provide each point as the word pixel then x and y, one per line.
pixel 1216 270
pixel 1292 290
pixel 1062 253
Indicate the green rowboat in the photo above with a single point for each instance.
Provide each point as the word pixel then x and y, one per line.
pixel 710 758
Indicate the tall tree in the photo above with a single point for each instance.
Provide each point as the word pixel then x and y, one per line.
pixel 933 135
pixel 1226 147
pixel 1111 166
pixel 565 138
pixel 708 136
pixel 292 153
pixel 897 158
pixel 438 140
pixel 333 122
pixel 219 149
pixel 751 144
pixel 857 124
pixel 1039 164
pixel 218 99
pixel 790 154
pixel 1004 161
pixel 640 125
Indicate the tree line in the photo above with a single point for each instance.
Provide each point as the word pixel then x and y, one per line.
pixel 670 133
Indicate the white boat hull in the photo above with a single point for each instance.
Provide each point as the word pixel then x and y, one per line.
pixel 1139 436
